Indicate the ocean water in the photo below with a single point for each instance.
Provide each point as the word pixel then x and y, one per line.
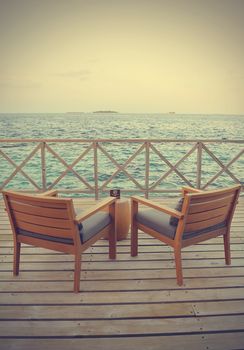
pixel 89 126
pixel 105 125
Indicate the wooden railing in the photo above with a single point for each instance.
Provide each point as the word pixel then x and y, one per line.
pixel 99 165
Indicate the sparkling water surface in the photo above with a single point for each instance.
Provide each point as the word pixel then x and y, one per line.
pixel 93 125
pixel 120 126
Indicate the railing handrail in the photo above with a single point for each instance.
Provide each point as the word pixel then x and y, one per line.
pixel 136 140
pixel 146 148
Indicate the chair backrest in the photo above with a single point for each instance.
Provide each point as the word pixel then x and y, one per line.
pixel 210 209
pixel 41 216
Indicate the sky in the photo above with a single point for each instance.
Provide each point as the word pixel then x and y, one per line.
pixel 138 56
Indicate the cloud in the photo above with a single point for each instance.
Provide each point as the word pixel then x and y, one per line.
pixel 19 83
pixel 82 74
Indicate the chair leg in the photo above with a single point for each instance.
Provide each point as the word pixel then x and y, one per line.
pixel 134 239
pixel 77 270
pixel 112 243
pixel 226 238
pixel 178 266
pixel 17 247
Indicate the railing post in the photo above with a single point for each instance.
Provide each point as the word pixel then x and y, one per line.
pixel 147 168
pixel 43 165
pixel 95 170
pixel 199 165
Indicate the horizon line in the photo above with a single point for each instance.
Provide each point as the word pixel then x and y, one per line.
pixel 117 112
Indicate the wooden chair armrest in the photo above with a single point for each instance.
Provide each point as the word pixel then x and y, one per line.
pixel 50 193
pixel 190 190
pixel 101 205
pixel 156 206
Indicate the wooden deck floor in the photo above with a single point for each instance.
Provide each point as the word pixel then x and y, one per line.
pixel 132 303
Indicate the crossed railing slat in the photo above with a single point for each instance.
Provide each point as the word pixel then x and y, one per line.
pixel 225 168
pixel 172 167
pixel 69 167
pixel 121 167
pixel 18 168
pixel 146 147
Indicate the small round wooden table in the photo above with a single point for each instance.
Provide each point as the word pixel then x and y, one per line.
pixel 122 218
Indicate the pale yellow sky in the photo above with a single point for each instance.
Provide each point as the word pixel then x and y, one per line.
pixel 129 56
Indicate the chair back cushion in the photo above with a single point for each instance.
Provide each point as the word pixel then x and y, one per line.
pixel 157 221
pixel 173 220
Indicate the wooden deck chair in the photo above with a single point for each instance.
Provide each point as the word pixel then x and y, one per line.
pixel 50 222
pixel 201 215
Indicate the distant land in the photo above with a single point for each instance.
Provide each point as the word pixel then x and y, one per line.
pixel 78 113
pixel 105 112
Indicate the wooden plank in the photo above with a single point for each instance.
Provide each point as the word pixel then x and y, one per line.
pixel 223 341
pixel 124 275
pixel 219 307
pixel 191 227
pixel 204 215
pixel 117 285
pixel 40 211
pixel 83 312
pixel 93 255
pixel 42 221
pixel 122 265
pixel 53 202
pixel 206 206
pixel 121 297
pixel 121 327
pixel 45 230
pixel 207 197
pixel 143 310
